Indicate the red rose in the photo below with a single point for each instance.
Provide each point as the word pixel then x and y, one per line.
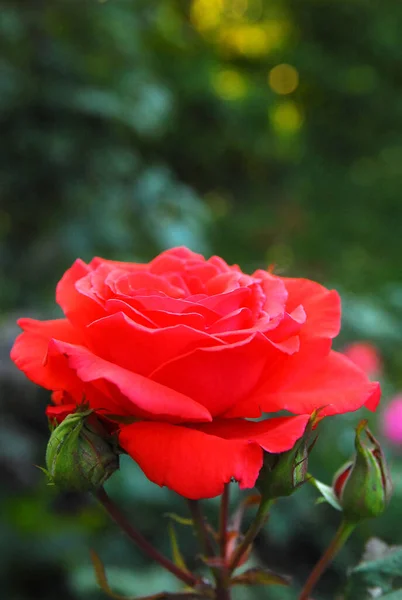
pixel 187 349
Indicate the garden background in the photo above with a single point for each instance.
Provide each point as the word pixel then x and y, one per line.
pixel 268 132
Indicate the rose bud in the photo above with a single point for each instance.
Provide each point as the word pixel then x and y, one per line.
pixel 363 486
pixel 80 455
pixel 283 473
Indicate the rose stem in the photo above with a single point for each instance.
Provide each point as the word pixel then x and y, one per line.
pixel 200 527
pixel 222 591
pixel 114 512
pixel 252 532
pixel 223 521
pixel 344 531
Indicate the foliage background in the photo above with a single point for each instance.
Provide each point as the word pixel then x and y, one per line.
pixel 129 126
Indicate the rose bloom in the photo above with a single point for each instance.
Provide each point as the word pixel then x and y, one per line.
pixel 179 354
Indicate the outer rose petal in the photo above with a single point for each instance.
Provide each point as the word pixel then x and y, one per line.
pixel 147 395
pixel 79 308
pixel 192 463
pixel 282 372
pixel 59 413
pixel 30 350
pixel 273 435
pixel 322 306
pixel 337 386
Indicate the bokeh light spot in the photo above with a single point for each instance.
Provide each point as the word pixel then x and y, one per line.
pixel 286 117
pixel 253 40
pixel 206 14
pixel 283 79
pixel 229 84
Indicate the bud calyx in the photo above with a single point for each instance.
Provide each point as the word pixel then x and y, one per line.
pixel 363 486
pixel 80 455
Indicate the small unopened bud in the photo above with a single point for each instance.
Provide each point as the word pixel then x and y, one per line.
pixel 363 486
pixel 283 473
pixel 80 454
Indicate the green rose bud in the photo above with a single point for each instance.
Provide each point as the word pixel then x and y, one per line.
pixel 80 454
pixel 363 486
pixel 283 473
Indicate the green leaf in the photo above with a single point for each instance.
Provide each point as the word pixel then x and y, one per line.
pixel 380 569
pixel 177 555
pixel 328 494
pixel 101 578
pixel 179 519
pixel 258 576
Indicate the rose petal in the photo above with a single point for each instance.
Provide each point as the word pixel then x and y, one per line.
pixel 80 308
pixel 219 376
pixel 60 329
pixel 274 435
pixel 122 341
pixel 147 395
pixel 322 306
pixel 192 463
pixel 337 385
pixel 288 326
pixel 275 291
pixel 115 305
pixel 283 371
pixel 116 264
pixel 30 350
pixel 59 413
pixel 238 319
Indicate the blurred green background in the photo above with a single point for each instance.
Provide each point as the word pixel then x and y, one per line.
pixel 266 131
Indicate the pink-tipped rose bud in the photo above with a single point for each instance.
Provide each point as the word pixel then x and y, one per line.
pixel 363 486
pixel 365 356
pixel 392 420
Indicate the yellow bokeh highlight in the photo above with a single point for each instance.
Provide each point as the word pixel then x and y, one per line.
pixel 253 40
pixel 235 9
pixel 286 117
pixel 206 14
pixel 229 84
pixel 283 79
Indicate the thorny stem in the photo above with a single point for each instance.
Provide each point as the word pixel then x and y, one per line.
pixel 141 541
pixel 222 590
pixel 251 534
pixel 200 527
pixel 344 531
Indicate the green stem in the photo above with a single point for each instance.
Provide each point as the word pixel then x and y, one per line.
pixel 251 534
pixel 344 531
pixel 141 541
